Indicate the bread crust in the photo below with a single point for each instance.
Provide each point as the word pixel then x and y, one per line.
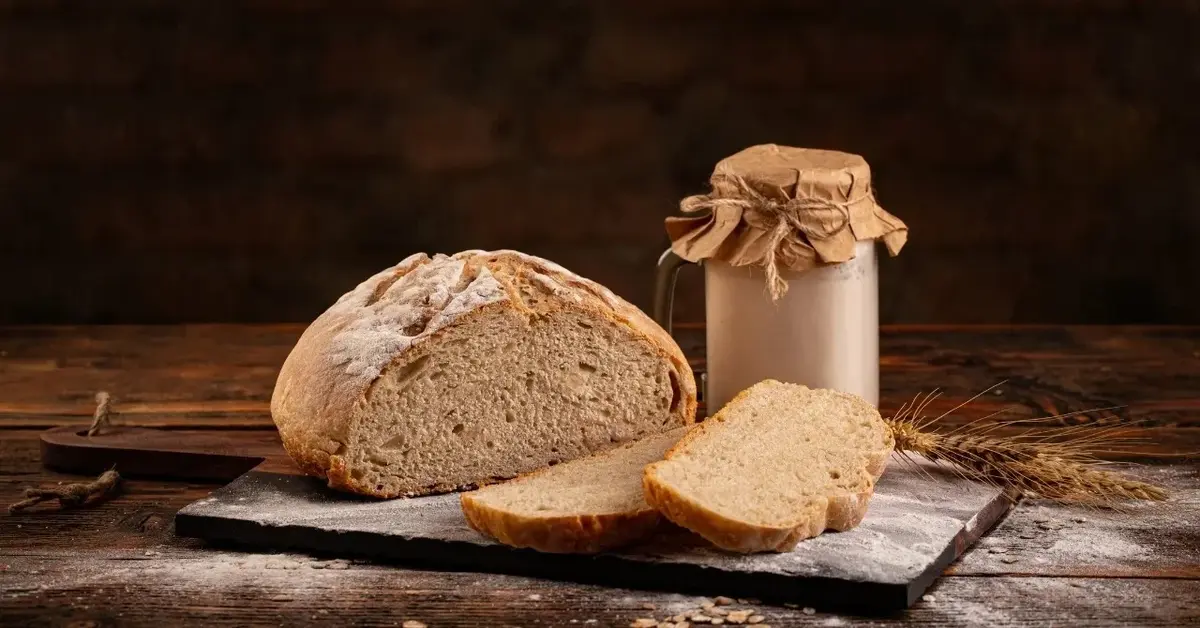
pixel 319 398
pixel 583 533
pixel 568 534
pixel 832 512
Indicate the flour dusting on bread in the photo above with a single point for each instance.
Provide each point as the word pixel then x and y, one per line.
pixel 450 371
pixel 423 297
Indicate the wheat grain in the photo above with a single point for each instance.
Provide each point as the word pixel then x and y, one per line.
pixel 1053 464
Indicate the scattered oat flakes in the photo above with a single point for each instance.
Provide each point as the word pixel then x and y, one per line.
pixel 1076 520
pixel 644 622
pixel 717 610
pixel 808 610
pixel 721 600
pixel 678 618
pixel 755 619
pixel 997 550
pixel 701 618
pixel 717 621
pixel 648 606
pixel 412 623
pixel 928 598
pixel 1008 560
pixel 737 617
pixel 706 604
pixel 533 596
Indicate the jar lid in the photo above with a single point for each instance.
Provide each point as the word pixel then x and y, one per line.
pixel 783 207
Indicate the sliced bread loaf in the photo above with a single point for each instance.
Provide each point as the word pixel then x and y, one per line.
pixel 584 506
pixel 779 463
pixel 443 373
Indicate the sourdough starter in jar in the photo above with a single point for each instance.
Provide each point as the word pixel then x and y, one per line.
pixel 824 333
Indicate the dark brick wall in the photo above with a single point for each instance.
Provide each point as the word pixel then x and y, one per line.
pixel 251 160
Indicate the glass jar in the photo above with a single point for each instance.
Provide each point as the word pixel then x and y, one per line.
pixel 823 332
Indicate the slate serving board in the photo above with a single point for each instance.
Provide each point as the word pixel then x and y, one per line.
pixel 920 521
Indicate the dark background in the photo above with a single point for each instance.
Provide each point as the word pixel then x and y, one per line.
pixel 252 160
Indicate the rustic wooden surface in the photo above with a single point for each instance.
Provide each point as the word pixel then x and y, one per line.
pixel 119 563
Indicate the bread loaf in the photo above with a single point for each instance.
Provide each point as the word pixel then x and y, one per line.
pixel 584 506
pixel 443 373
pixel 778 464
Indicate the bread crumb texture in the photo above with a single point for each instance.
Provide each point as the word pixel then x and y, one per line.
pixel 779 463
pixel 584 506
pixel 447 372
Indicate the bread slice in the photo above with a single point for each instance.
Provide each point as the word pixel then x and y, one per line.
pixel 448 372
pixel 585 506
pixel 778 464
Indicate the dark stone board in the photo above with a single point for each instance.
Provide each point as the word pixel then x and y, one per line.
pixel 919 521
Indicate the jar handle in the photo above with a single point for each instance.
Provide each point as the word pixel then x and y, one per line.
pixel 664 300
pixel 664 287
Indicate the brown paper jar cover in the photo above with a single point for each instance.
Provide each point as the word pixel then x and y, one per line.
pixel 782 207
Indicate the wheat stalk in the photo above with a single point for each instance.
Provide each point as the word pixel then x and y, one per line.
pixel 1052 464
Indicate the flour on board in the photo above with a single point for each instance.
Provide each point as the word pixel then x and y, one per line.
pixel 911 520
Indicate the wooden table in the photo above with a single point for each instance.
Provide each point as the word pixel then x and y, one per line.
pixel 118 563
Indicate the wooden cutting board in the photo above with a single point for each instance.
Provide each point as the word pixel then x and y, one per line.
pixel 920 520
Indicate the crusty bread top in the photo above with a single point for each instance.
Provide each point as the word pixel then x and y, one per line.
pixel 327 375
pixel 773 449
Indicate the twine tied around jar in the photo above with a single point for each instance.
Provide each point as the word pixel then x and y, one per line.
pixel 778 207
pixel 805 214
